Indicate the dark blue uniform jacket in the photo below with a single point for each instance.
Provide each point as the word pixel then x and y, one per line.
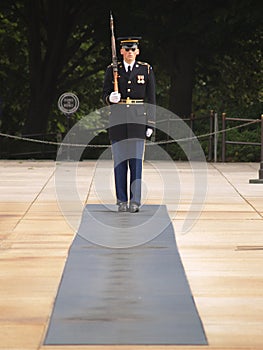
pixel 131 120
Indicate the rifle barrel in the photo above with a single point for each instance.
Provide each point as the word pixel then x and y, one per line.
pixel 114 55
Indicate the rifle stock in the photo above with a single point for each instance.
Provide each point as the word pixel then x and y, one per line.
pixel 114 55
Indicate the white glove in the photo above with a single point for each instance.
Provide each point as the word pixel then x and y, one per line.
pixel 115 97
pixel 149 132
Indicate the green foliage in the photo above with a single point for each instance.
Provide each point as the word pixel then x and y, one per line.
pixel 239 152
pixel 14 88
pixel 71 40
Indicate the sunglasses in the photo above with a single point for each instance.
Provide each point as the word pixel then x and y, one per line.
pixel 132 49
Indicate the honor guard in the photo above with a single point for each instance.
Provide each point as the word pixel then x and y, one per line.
pixel 132 119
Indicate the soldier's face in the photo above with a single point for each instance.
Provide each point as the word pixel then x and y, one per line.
pixel 129 55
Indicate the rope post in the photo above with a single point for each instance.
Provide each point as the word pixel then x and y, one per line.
pixel 190 142
pixel 210 142
pixel 167 136
pixel 192 118
pixel 215 135
pixel 260 172
pixel 223 137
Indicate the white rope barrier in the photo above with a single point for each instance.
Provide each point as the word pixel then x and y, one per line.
pixel 20 138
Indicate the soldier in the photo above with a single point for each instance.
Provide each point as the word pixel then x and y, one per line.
pixel 130 121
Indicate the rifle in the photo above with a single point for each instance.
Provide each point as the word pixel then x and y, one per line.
pixel 114 56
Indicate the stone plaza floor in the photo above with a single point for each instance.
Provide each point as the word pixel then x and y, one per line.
pixel 218 220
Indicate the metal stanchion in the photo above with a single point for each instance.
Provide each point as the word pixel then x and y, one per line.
pixel 260 172
pixel 215 136
pixel 223 137
pixel 68 104
pixel 211 136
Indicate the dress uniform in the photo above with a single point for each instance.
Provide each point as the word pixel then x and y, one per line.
pixel 132 117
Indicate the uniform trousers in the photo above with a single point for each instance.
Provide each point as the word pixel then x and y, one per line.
pixel 128 155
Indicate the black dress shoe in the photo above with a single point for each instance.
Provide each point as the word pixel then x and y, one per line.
pixel 123 207
pixel 134 208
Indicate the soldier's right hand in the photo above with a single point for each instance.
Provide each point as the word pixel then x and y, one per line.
pixel 115 97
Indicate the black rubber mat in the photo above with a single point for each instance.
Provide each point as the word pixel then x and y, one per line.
pixel 133 295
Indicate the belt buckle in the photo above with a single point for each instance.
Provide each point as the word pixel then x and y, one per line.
pixel 128 100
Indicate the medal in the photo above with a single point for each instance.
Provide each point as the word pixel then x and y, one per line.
pixel 140 79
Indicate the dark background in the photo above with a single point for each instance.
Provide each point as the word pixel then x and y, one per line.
pixel 206 56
